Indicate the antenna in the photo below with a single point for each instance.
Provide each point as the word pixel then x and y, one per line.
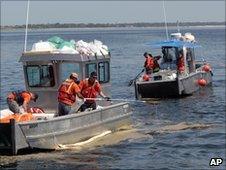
pixel 178 28
pixel 164 11
pixel 25 41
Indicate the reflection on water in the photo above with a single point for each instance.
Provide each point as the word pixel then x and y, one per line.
pixel 168 133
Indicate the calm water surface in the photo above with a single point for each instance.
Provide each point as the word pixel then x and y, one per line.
pixel 194 126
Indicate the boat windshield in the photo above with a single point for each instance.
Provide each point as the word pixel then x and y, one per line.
pixel 68 68
pixel 169 58
pixel 102 68
pixel 40 76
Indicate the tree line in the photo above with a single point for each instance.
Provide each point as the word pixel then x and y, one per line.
pixel 98 25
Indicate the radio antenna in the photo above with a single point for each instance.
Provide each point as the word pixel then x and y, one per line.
pixel 25 39
pixel 178 28
pixel 164 11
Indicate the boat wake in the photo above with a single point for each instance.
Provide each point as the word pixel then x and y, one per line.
pixel 178 127
pixel 105 138
pixel 111 138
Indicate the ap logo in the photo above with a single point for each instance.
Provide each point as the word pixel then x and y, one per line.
pixel 216 161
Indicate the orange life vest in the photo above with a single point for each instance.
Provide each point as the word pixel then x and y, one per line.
pixel 149 63
pixel 89 91
pixel 67 92
pixel 180 64
pixel 20 97
pixel 18 118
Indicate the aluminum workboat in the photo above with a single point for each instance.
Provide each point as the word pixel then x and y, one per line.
pixel 43 72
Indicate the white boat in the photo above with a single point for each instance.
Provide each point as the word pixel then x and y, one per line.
pixel 168 81
pixel 43 73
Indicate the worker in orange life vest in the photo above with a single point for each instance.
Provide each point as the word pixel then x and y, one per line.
pixel 18 98
pixel 90 88
pixel 151 64
pixel 67 93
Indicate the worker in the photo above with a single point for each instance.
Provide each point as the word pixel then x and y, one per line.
pixel 90 88
pixel 17 98
pixel 151 63
pixel 67 93
pixel 180 62
pixel 156 66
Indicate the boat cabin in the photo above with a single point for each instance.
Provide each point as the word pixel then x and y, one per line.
pixel 45 71
pixel 172 51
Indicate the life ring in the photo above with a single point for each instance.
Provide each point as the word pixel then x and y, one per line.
pixel 36 110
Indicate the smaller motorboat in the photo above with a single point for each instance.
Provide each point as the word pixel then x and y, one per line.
pixel 180 74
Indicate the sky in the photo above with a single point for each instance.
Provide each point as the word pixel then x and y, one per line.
pixel 42 12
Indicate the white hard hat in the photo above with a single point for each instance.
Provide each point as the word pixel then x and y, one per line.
pixel 75 75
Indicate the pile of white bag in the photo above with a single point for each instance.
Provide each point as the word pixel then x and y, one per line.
pixel 43 46
pixel 186 37
pixel 71 47
pixel 93 48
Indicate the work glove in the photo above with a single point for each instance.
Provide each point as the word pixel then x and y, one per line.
pixel 77 81
pixel 107 98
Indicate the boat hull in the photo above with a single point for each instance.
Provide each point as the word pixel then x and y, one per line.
pixel 171 88
pixel 48 134
pixel 156 89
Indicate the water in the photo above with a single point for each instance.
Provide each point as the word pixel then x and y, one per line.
pixel 172 134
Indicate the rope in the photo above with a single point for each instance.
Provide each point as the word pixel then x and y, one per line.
pixel 126 100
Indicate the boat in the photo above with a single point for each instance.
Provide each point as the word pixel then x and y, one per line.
pixel 169 81
pixel 43 72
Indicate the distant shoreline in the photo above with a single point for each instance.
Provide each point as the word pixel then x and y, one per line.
pixel 110 25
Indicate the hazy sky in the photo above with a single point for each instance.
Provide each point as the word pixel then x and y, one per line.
pixel 14 12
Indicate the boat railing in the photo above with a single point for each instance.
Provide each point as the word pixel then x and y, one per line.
pixel 199 63
pixel 200 60
pixel 74 122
